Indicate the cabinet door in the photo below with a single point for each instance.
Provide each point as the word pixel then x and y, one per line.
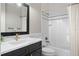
pixel 19 52
pixel 37 53
pixel 35 46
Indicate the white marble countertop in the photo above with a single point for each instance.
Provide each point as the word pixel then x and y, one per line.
pixel 13 44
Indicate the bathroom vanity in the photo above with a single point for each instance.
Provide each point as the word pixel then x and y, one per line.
pixel 30 48
pixel 17 23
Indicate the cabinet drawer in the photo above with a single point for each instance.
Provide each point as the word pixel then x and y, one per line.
pixel 35 46
pixel 19 52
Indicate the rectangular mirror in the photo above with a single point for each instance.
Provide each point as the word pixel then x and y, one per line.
pixel 14 18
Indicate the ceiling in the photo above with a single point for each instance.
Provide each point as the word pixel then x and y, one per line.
pixel 54 9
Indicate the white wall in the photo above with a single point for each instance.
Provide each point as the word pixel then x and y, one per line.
pixel 35 18
pixel 74 29
pixel 2 17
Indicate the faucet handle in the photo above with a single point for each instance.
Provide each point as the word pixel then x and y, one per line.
pixel 46 38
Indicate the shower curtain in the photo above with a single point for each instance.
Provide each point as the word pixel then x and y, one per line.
pixel 59 32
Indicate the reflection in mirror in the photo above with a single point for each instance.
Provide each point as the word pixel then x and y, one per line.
pixel 13 17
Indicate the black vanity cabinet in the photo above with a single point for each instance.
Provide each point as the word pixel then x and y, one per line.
pixel 35 49
pixel 36 53
pixel 19 52
pixel 31 50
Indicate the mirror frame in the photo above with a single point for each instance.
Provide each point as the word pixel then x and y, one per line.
pixel 20 33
